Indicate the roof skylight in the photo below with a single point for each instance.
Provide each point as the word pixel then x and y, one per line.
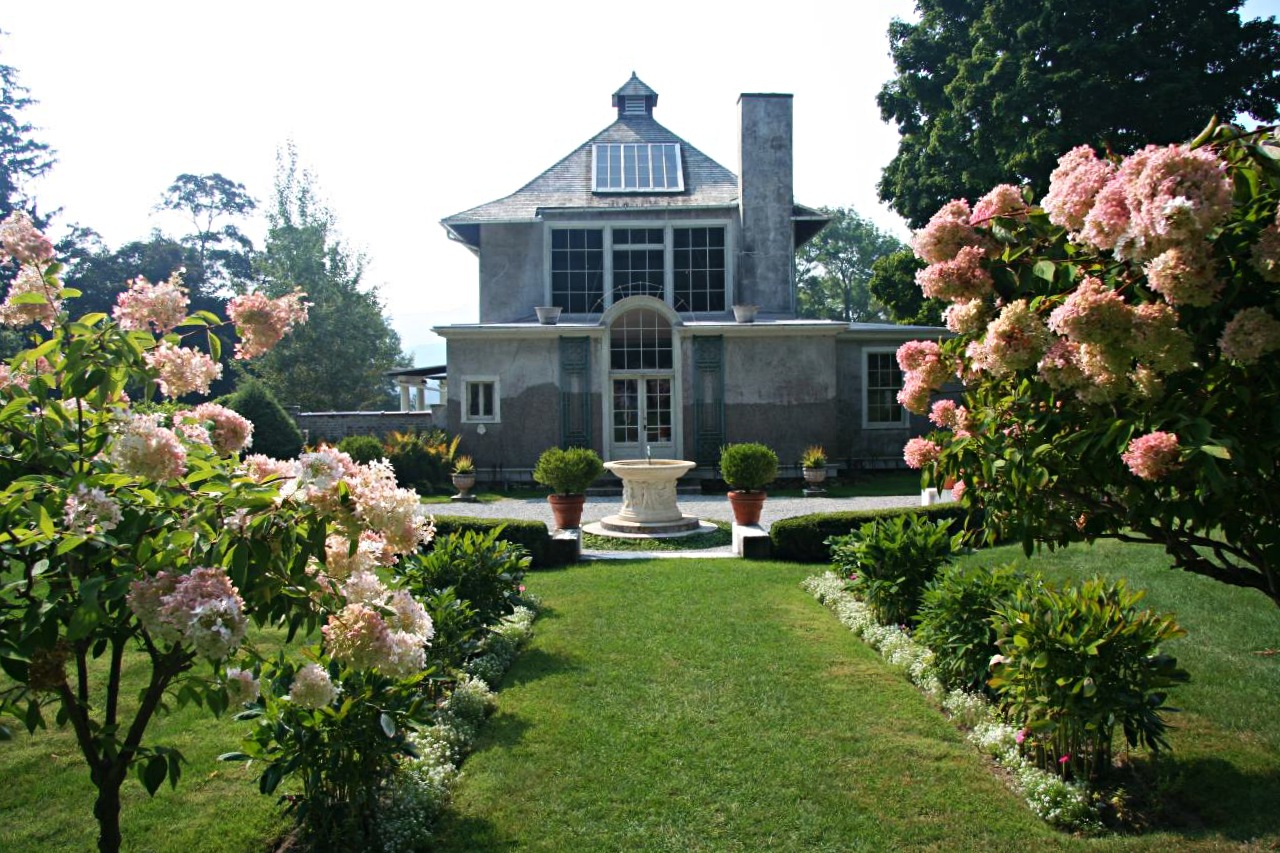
pixel 637 167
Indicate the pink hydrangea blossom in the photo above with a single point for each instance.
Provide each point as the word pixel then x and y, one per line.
pixel 409 616
pixel 390 511
pixel 957 490
pixel 341 562
pixel 182 371
pixel 1074 185
pixel 919 452
pixel 1015 340
pixel 1093 313
pixel 1060 366
pixel 312 687
pixel 967 318
pixel 1147 383
pixel 230 431
pixel 1021 736
pixel 1106 371
pixel 242 687
pixel 1159 340
pixel 201 608
pixel 358 636
pixel 264 469
pixel 943 414
pixel 88 511
pixel 21 241
pixel 1265 255
pixel 1004 200
pixel 364 587
pixel 1152 456
pixel 958 279
pixel 1184 275
pixel 914 394
pixel 143 448
pixel 1106 226
pixel 160 307
pixel 923 365
pixel 261 322
pixel 31 281
pixel 947 233
pixel 13 378
pixel 1250 334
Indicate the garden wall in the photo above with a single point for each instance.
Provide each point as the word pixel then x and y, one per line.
pixel 335 426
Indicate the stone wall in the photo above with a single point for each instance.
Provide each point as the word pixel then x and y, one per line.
pixel 335 426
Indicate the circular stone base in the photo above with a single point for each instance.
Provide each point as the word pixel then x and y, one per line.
pixel 611 525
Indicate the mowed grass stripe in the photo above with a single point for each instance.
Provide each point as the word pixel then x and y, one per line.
pixel 712 705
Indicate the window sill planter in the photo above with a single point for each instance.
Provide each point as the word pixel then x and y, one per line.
pixel 548 315
pixel 567 510
pixel 747 506
pixel 745 313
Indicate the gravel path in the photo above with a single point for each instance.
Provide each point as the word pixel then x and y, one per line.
pixel 714 507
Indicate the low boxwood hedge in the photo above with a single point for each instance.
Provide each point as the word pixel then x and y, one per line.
pixel 532 535
pixel 802 539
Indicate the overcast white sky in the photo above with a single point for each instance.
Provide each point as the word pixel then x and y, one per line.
pixel 409 112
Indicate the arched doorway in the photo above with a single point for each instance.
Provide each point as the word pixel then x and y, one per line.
pixel 643 413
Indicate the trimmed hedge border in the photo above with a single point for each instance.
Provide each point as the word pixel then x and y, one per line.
pixel 802 539
pixel 533 535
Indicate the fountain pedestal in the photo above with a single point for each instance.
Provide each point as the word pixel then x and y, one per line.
pixel 649 505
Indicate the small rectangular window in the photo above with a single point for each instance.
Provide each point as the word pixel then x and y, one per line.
pixel 881 382
pixel 480 400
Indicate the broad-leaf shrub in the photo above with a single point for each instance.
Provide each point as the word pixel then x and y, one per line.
pixel 1077 661
pixel 422 460
pixel 363 448
pixel 1117 345
pixel 889 561
pixel 955 621
pixel 481 569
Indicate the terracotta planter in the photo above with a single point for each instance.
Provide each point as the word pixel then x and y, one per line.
pixel 815 476
pixel 567 510
pixel 747 506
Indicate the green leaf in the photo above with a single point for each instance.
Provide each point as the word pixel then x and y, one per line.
pixel 235 756
pixel 1215 450
pixel 388 724
pixel 1044 270
pixel 29 298
pixel 153 773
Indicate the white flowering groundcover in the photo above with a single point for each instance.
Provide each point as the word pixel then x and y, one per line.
pixel 1063 804
pixel 419 792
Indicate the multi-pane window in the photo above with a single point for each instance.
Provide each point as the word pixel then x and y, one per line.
pixel 577 269
pixel 882 382
pixel 638 262
pixel 641 340
pixel 698 265
pixel 637 167
pixel 480 400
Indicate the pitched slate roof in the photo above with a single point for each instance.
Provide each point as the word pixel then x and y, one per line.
pixel 635 88
pixel 568 183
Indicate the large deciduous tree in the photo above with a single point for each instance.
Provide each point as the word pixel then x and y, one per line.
pixel 833 268
pixel 222 251
pixel 1117 344
pixel 339 359
pixel 992 91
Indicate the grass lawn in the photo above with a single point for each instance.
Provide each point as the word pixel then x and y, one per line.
pixel 712 705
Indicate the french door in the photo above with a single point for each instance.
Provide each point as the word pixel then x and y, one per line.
pixel 643 418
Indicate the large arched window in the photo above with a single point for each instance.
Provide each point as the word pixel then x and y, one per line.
pixel 640 340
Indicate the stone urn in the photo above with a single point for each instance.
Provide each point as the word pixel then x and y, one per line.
pixel 548 315
pixel 747 506
pixel 464 483
pixel 814 477
pixel 745 313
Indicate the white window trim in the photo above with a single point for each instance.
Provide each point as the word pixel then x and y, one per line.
pixel 668 274
pixel 866 388
pixel 467 382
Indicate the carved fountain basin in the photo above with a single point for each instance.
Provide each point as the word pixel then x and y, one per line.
pixel 649 507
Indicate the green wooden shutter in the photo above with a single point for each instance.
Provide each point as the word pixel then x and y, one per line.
pixel 575 392
pixel 708 398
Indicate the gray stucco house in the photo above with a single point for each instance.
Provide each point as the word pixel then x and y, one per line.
pixel 646 245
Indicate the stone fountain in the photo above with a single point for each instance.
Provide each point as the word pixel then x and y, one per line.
pixel 649 508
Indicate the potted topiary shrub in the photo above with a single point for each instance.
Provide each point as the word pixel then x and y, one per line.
pixel 568 472
pixel 747 468
pixel 464 479
pixel 813 463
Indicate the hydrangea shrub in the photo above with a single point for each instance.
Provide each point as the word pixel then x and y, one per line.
pixel 1114 341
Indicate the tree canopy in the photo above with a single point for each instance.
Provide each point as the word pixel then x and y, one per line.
pixel 833 268
pixel 994 91
pixel 223 253
pixel 339 359
pixel 22 157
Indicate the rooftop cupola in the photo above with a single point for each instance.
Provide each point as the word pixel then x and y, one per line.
pixel 635 98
